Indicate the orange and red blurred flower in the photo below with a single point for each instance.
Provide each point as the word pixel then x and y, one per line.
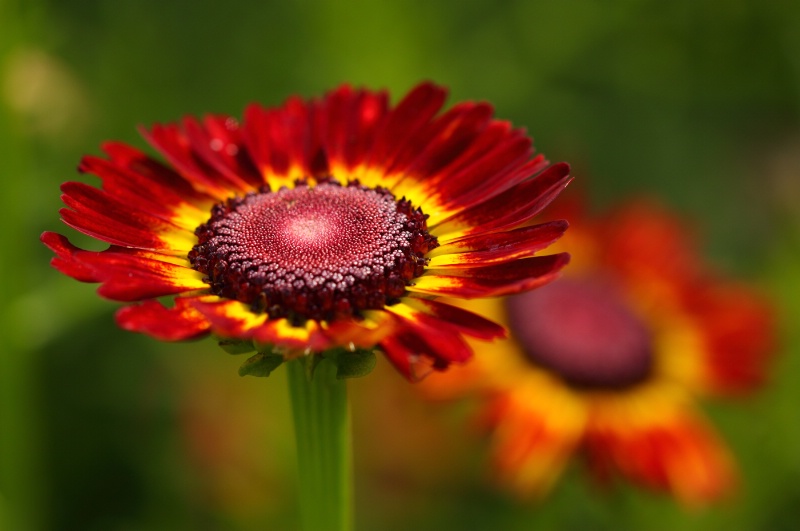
pixel 339 222
pixel 608 362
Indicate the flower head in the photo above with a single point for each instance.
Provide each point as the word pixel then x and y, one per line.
pixel 609 360
pixel 335 223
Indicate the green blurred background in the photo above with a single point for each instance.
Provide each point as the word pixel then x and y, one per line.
pixel 697 102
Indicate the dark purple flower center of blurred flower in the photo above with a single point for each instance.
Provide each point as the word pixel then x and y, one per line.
pixel 313 252
pixel 583 330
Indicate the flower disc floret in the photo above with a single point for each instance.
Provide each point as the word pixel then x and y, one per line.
pixel 313 252
pixel 584 332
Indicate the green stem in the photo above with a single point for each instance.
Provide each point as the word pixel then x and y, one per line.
pixel 322 425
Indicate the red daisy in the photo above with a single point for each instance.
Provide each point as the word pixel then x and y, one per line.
pixel 335 224
pixel 608 362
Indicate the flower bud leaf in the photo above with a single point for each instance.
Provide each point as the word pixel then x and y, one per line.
pixel 236 346
pixel 352 364
pixel 261 364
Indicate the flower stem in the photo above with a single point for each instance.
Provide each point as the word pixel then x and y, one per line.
pixel 322 425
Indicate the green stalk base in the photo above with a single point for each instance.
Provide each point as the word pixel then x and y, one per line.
pixel 322 424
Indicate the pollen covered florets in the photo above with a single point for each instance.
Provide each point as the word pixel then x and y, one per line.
pixel 313 252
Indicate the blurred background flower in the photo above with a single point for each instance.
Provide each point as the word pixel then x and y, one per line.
pixel 606 363
pixel 695 102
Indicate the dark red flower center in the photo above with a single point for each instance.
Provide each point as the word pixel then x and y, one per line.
pixel 582 330
pixel 313 252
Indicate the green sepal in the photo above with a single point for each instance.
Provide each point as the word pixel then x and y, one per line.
pixel 352 363
pixel 261 364
pixel 236 346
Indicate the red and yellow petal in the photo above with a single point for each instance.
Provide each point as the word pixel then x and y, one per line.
pixel 496 247
pixel 530 448
pixel 397 142
pixel 362 333
pixel 97 214
pixel 464 158
pixel 738 332
pixel 147 196
pixel 444 145
pixel 644 242
pixel 402 127
pixel 445 141
pixel 427 335
pixel 508 209
pixel 234 319
pixel 441 342
pixel 217 142
pixel 179 322
pixel 306 338
pixel 502 167
pixel 665 447
pixel 64 260
pixel 407 355
pixel 349 124
pixel 535 427
pixel 124 275
pixel 284 142
pixel 174 144
pixel 468 322
pixel 137 169
pixel 493 280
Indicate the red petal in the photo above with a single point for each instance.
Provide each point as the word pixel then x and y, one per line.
pixel 107 229
pixel 739 330
pixel 464 321
pixel 404 122
pixel 496 133
pixel 168 324
pixel 348 123
pixel 490 171
pixel 484 249
pixel 406 358
pixel 125 276
pixel 494 280
pixel 138 287
pixel 90 202
pixel 681 455
pixel 177 148
pixel 226 320
pixel 279 332
pixel 362 333
pixel 423 343
pixel 64 260
pixel 283 139
pixel 371 109
pixel 233 319
pixel 146 171
pixel 440 341
pixel 218 143
pixel 142 193
pixel 512 207
pixel 444 141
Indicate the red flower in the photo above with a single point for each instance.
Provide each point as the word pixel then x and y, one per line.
pixel 609 361
pixel 336 223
